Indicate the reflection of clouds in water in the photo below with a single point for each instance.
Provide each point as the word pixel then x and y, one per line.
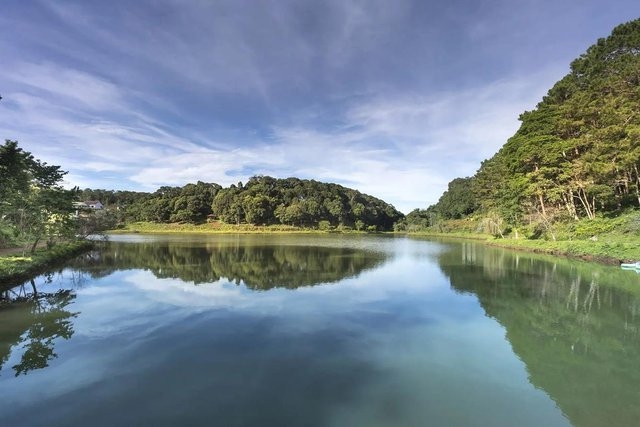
pixel 136 302
pixel 120 313
pixel 365 288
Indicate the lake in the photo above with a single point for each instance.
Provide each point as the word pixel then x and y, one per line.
pixel 325 330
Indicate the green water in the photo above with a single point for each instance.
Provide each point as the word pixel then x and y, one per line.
pixel 320 331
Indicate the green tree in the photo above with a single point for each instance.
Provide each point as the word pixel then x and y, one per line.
pixel 459 200
pixel 577 153
pixel 33 204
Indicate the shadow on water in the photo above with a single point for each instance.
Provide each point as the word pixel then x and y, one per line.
pixel 575 325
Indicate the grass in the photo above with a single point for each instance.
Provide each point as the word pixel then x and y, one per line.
pixel 611 250
pixel 606 240
pixel 219 227
pixel 17 268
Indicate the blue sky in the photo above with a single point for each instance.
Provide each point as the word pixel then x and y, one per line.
pixel 393 98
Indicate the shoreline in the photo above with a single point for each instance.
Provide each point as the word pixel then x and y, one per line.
pixel 609 250
pixel 218 228
pixel 15 269
pixel 604 251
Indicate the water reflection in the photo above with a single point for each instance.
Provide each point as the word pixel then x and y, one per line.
pixel 257 267
pixel 32 321
pixel 570 322
pixel 30 324
pixel 418 341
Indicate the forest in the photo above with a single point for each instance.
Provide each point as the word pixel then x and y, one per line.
pixel 575 156
pixel 263 200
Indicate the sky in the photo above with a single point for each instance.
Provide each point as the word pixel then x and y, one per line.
pixel 392 98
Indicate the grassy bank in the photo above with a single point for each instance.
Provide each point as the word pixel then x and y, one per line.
pixel 606 239
pixel 219 227
pixel 611 249
pixel 16 268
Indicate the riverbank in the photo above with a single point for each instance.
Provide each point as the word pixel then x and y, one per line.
pixel 222 228
pixel 611 250
pixel 15 268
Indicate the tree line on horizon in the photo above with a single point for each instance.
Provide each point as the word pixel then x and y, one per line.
pixel 35 207
pixel 263 200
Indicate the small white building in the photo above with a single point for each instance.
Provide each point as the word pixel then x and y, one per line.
pixel 89 204
pixel 94 204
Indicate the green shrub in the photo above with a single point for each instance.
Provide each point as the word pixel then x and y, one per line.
pixel 592 227
pixel 324 225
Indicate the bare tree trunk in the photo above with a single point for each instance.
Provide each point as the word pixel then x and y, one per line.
pixel 635 168
pixel 541 199
pixel 569 204
pixel 582 196
pixel 35 244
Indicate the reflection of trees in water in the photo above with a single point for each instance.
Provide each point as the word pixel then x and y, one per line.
pixel 578 335
pixel 31 322
pixel 258 267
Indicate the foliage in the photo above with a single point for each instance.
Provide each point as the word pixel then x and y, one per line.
pixel 33 204
pixel 116 200
pixel 267 201
pixel 191 203
pixel 576 155
pixel 604 239
pixel 206 228
pixel 459 200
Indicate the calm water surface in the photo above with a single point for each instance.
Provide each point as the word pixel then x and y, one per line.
pixel 320 331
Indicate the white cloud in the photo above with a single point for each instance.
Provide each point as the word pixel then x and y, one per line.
pixel 64 86
pixel 135 104
pixel 401 149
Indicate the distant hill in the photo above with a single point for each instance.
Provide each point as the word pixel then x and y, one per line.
pixel 262 200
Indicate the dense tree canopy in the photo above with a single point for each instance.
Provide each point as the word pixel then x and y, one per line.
pixel 265 200
pixel 577 153
pixel 293 201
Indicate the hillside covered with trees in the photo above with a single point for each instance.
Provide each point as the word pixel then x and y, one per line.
pixel 264 200
pixel 575 156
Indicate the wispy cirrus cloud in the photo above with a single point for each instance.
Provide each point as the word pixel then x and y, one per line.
pixel 404 150
pixel 401 149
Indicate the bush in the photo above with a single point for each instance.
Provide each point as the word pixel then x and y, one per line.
pixel 592 227
pixel 631 223
pixel 7 235
pixel 324 225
